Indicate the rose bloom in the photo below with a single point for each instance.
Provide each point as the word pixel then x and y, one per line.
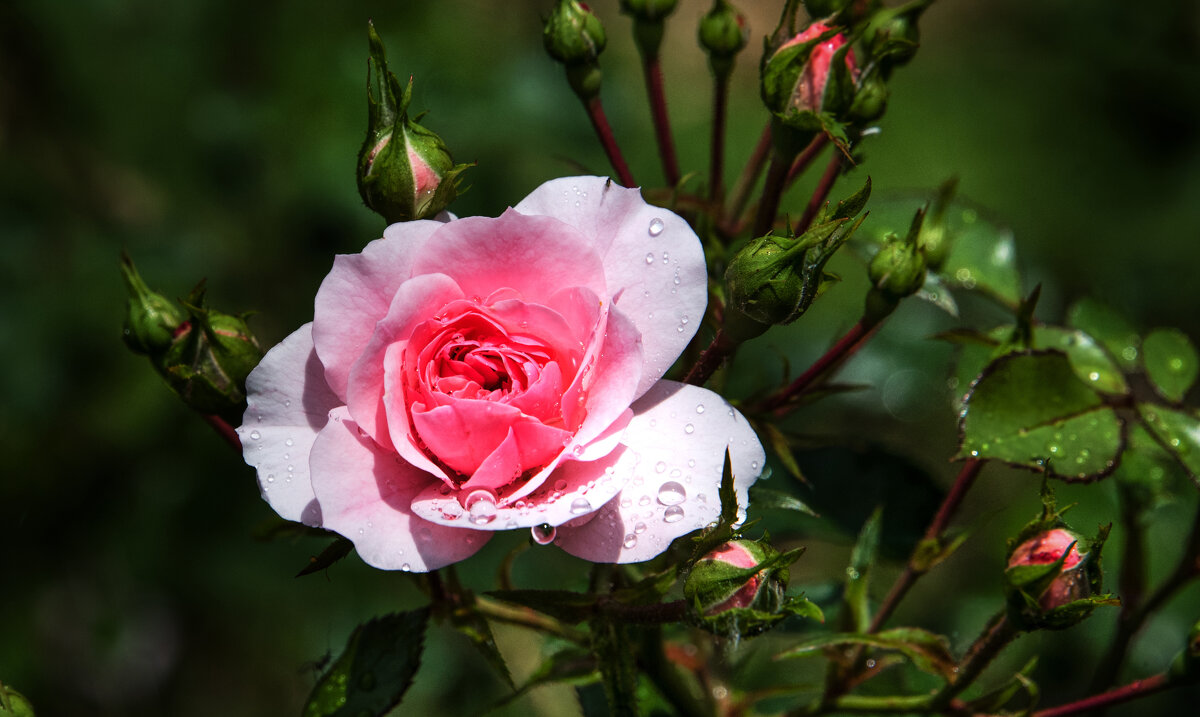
pixel 1046 548
pixel 485 374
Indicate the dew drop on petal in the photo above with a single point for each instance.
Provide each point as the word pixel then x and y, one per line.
pixel 579 506
pixel 649 258
pixel 560 485
pixel 481 506
pixel 406 567
pixel 700 408
pixel 674 514
pixel 255 435
pixel 644 500
pixel 656 227
pixel 289 442
pixel 630 541
pixel 660 467
pixel 543 534
pixel 689 428
pixel 671 493
pixel 639 527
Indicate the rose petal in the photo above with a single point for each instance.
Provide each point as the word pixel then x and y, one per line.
pixel 358 292
pixel 581 487
pixel 535 256
pixel 678 439
pixel 465 433
pixel 416 300
pixel 365 495
pixel 653 261
pixel 289 402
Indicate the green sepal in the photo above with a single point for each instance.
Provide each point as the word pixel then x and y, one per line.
pixel 377 667
pixel 927 651
pixel 931 551
pixel 782 71
pixel 151 319
pixel 898 268
pixel 767 499
pixel 573 35
pixel 1171 363
pixel 332 553
pixel 891 37
pixel 13 703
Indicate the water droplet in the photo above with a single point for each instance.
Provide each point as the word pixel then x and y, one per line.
pixel 270 477
pixel 753 465
pixel 644 500
pixel 660 467
pixel 649 258
pixel 656 227
pixel 406 567
pixel 1094 376
pixel 451 510
pixel 255 435
pixel 481 505
pixel 579 506
pixel 630 541
pixel 543 534
pixel 1176 364
pixel 560 485
pixel 671 493
pixel 689 428
pixel 666 257
pixel 639 527
pixel 289 442
pixel 674 514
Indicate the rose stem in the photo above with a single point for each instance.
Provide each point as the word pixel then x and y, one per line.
pixel 806 158
pixel 747 179
pixel 998 633
pixel 710 360
pixel 821 193
pixel 845 347
pixel 224 430
pixel 1131 691
pixel 864 704
pixel 950 504
pixel 716 158
pixel 652 69
pixel 595 111
pixel 642 614
pixel 662 672
pixel 772 194
pixel 527 617
pixel 1133 617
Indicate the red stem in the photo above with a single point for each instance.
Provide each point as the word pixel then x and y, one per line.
pixel 845 347
pixel 806 158
pixel 224 430
pixel 652 69
pixel 716 163
pixel 745 182
pixel 772 193
pixel 710 360
pixel 595 111
pixel 1131 691
pixel 821 193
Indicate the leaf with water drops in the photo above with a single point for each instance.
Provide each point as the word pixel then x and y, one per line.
pixel 1148 474
pixel 1178 432
pixel 1031 410
pixel 1109 328
pixel 1089 360
pixel 927 651
pixel 371 676
pixel 1171 362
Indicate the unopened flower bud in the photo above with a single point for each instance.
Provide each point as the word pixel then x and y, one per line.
pixel 891 36
pixel 151 319
pixel 1046 549
pixel 723 579
pixel 13 703
pixel 898 269
pixel 723 34
pixel 573 34
pixel 814 72
pixel 405 171
pixel 870 101
pixel 648 9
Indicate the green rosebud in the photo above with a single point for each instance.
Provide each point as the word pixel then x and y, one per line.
pixel 723 34
pixel 648 9
pixel 574 36
pixel 13 703
pixel 813 72
pixel 935 238
pixel 1053 579
pixel 870 101
pixel 151 319
pixel 891 36
pixel 898 269
pixel 405 171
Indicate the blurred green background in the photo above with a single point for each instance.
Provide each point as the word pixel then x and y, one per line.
pixel 217 139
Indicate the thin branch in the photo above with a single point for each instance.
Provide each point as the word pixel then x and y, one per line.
pixel 652 69
pixel 845 347
pixel 824 187
pixel 710 360
pixel 716 158
pixel 224 430
pixel 772 193
pixel 746 181
pixel 1131 691
pixel 998 633
pixel 527 617
pixel 806 157
pixel 595 111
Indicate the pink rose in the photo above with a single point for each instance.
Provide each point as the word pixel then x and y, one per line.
pixel 810 88
pixel 1046 548
pixel 488 374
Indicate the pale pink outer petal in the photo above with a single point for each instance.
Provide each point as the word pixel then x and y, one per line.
pixel 614 379
pixel 415 301
pixel 679 435
pixel 537 256
pixel 358 292
pixel 656 276
pixel 365 495
pixel 582 487
pixel 288 403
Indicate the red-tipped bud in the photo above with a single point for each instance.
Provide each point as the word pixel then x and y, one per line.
pixel 1046 549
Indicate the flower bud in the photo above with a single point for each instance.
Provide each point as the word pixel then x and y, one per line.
pixel 405 171
pixel 898 269
pixel 13 703
pixel 870 101
pixel 891 36
pixel 648 9
pixel 814 72
pixel 151 319
pixel 723 34
pixel 573 34
pixel 723 580
pixel 1048 548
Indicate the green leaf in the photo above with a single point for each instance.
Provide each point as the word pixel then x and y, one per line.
pixel 1149 475
pixel 858 572
pixel 937 292
pixel 767 499
pixel 931 551
pixel 1030 410
pixel 1109 328
pixel 996 699
pixel 782 448
pixel 1171 362
pixel 1178 432
pixel 927 651
pixel 332 553
pixel 570 665
pixel 1089 360
pixel 375 670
